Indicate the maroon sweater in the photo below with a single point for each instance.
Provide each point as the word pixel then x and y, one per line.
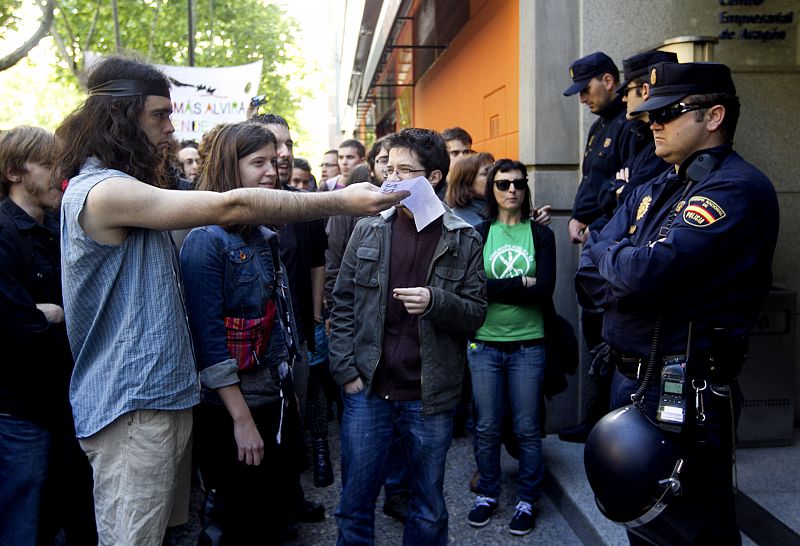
pixel 399 370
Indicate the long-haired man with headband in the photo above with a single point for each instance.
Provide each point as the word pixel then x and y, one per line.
pixel 134 381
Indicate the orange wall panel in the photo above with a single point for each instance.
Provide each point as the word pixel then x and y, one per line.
pixel 475 83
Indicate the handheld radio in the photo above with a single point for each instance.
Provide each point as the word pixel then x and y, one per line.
pixel 671 414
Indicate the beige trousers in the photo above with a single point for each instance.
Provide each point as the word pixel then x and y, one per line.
pixel 136 463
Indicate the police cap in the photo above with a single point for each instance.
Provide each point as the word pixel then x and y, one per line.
pixel 636 66
pixel 670 82
pixel 586 68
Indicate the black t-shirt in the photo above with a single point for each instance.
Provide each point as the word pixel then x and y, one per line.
pixel 303 248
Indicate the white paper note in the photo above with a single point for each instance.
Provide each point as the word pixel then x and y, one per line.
pixel 422 202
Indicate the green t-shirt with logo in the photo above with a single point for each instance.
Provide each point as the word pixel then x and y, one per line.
pixel 508 253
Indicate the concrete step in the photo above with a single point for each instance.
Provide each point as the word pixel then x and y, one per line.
pixel 768 507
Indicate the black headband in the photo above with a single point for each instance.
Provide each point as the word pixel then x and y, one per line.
pixel 128 88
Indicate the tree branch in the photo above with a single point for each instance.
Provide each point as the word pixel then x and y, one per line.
pixel 117 38
pixel 90 34
pixel 44 27
pixel 153 32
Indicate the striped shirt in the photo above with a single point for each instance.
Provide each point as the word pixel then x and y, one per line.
pixel 125 317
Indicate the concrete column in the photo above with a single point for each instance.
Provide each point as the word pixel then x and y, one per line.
pixel 550 144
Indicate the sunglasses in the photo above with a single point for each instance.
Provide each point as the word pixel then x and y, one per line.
pixel 519 184
pixel 629 89
pixel 665 115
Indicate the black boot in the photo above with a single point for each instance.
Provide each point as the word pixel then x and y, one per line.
pixel 213 511
pixel 323 472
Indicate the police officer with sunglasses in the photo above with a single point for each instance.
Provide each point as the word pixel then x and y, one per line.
pixel 681 271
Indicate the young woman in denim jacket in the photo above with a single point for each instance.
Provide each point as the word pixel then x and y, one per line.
pixel 246 432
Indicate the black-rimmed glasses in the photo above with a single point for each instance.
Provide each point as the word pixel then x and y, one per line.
pixel 519 184
pixel 665 115
pixel 402 172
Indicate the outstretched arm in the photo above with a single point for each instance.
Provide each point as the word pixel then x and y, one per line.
pixel 117 204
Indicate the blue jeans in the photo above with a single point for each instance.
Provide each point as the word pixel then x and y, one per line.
pixel 368 425
pixel 518 375
pixel 396 471
pixel 24 447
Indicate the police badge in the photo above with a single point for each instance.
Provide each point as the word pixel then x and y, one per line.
pixel 643 206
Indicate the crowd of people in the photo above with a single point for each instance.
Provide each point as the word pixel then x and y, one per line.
pixel 167 303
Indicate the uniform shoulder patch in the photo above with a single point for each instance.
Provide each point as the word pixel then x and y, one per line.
pixel 644 204
pixel 702 212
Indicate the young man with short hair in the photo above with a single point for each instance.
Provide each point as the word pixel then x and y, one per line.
pixel 329 168
pixel 459 143
pixel 189 159
pixel 351 154
pixel 301 175
pixel 44 477
pixel 396 350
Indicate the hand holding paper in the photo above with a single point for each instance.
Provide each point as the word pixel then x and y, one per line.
pixel 422 202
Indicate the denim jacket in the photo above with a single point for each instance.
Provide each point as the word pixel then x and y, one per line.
pixel 457 308
pixel 230 275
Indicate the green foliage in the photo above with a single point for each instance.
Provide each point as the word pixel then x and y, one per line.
pixel 45 108
pixel 8 15
pixel 227 33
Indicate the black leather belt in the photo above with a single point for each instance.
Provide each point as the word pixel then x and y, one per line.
pixel 633 366
pixel 512 346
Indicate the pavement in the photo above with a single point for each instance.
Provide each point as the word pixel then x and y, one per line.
pixel 768 504
pixel 769 509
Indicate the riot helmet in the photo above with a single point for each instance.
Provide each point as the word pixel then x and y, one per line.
pixel 632 465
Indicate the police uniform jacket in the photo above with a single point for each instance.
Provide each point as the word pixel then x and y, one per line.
pixel 643 165
pixel 608 146
pixel 712 268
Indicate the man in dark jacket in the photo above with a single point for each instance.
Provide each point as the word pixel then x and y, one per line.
pixel 396 348
pixel 45 479
pixel 682 270
pixel 302 248
pixel 595 78
pixel 643 164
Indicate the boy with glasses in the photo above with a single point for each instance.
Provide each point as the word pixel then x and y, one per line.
pixel 396 349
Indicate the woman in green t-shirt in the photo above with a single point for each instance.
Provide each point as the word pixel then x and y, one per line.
pixel 507 356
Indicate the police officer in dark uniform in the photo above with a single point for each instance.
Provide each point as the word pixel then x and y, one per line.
pixel 595 78
pixel 681 272
pixel 643 164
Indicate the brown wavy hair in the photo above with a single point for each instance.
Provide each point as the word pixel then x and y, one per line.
pixel 462 176
pixel 223 150
pixel 108 128
pixel 205 145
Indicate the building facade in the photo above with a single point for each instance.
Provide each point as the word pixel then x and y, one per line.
pixel 498 68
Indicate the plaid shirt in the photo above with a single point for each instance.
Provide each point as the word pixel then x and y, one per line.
pixel 125 318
